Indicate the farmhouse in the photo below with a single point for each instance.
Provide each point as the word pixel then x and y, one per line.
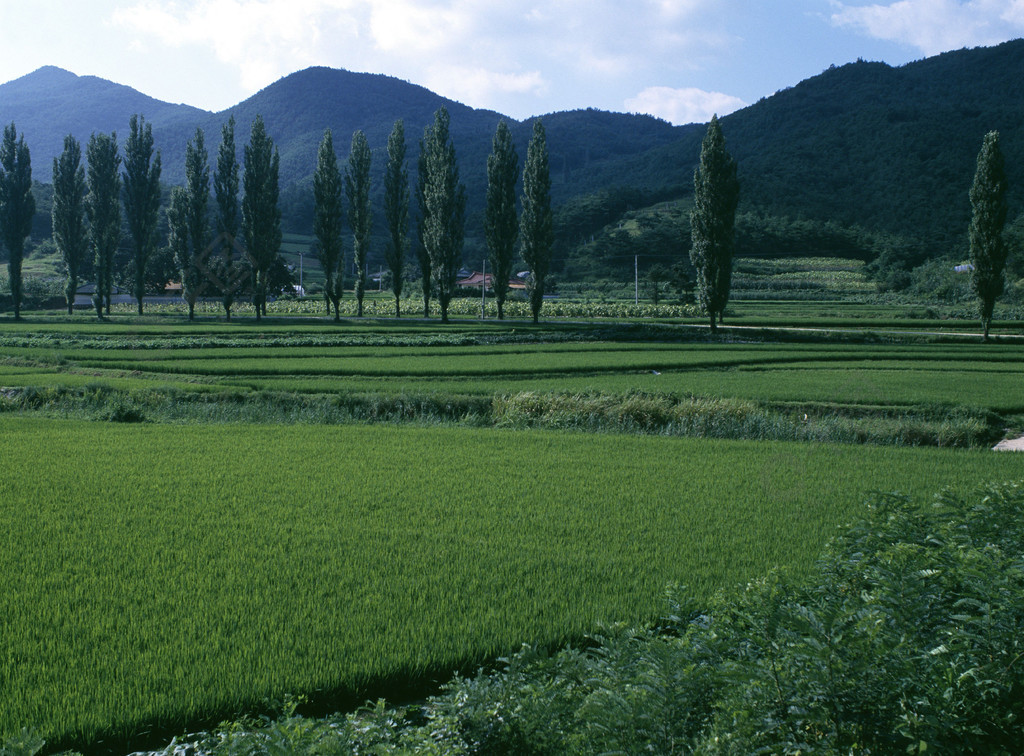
pixel 474 279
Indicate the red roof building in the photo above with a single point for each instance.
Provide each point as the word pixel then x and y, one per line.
pixel 476 278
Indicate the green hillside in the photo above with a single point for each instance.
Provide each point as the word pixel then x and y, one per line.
pixel 863 160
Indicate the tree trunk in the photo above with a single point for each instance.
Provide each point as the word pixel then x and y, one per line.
pixel 14 271
pixel 501 310
pixel 714 325
pixel 398 307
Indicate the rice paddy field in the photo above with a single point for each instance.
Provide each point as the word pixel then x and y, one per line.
pixel 160 574
pixel 168 562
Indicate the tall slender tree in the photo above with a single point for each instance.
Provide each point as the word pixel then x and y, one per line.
pixel 327 221
pixel 444 202
pixel 422 256
pixel 357 189
pixel 192 250
pixel 712 222
pixel 17 206
pixel 988 206
pixel 103 209
pixel 225 184
pixel 261 216
pixel 537 224
pixel 396 210
pixel 501 224
pixel 180 244
pixel 68 216
pixel 141 197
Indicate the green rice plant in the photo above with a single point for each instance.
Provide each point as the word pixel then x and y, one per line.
pixel 162 574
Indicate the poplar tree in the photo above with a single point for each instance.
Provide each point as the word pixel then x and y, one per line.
pixel 225 185
pixel 712 222
pixel 141 197
pixel 192 249
pixel 69 230
pixel 261 217
pixel 178 241
pixel 396 210
pixel 17 206
pixel 988 206
pixel 327 221
pixel 444 208
pixel 103 209
pixel 426 279
pixel 536 224
pixel 501 224
pixel 357 189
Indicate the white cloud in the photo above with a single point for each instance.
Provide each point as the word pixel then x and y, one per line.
pixel 680 106
pixel 554 55
pixel 411 27
pixel 262 39
pixel 482 87
pixel 935 26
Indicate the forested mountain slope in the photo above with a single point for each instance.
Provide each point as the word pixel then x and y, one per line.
pixel 886 149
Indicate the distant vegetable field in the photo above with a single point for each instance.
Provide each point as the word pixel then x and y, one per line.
pixel 159 573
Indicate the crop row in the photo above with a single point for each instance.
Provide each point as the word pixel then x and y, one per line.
pixel 460 307
pixel 973 375
pixel 160 573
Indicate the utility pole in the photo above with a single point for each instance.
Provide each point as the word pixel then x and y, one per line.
pixel 483 291
pixel 636 279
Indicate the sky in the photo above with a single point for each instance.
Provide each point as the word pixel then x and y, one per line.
pixel 680 60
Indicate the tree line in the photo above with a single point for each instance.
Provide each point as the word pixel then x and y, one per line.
pixel 237 249
pixel 233 247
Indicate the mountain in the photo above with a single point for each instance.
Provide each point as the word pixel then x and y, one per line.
pixel 887 149
pixel 50 103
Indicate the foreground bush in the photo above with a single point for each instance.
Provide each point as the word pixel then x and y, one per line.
pixel 907 638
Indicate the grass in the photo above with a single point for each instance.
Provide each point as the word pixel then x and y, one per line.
pixel 288 508
pixel 496 361
pixel 216 565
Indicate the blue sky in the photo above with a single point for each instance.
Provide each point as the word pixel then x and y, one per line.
pixel 681 60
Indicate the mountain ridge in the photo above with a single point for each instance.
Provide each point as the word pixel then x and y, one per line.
pixel 890 149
